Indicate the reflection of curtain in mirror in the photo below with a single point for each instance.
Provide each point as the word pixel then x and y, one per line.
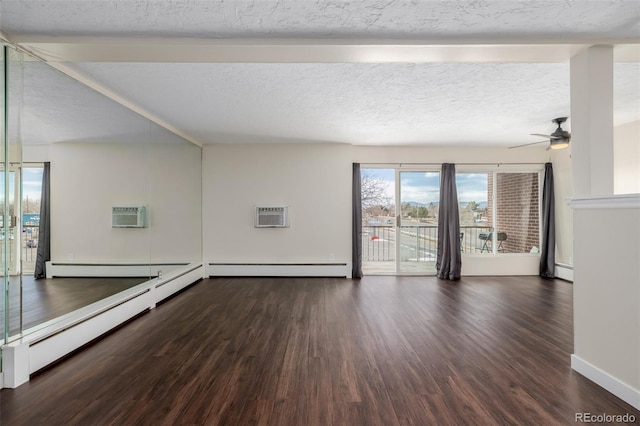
pixel 356 237
pixel 44 237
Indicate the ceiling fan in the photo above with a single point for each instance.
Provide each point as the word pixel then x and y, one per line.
pixel 557 140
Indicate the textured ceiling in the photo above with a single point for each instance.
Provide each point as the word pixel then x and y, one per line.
pixel 377 104
pixel 358 103
pixel 55 108
pixel 502 19
pixel 354 103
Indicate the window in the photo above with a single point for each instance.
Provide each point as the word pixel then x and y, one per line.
pixel 517 212
pixel 499 209
pixel 475 210
pixel 32 194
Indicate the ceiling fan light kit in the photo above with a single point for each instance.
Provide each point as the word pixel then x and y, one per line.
pixel 559 144
pixel 559 139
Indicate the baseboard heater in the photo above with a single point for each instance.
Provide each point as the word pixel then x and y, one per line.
pixel 47 343
pixel 334 269
pixel 564 272
pixel 69 269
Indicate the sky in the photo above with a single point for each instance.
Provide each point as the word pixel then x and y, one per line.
pixel 31 182
pixel 423 187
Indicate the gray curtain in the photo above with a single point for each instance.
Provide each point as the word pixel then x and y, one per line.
pixel 449 260
pixel 356 235
pixel 44 237
pixel 548 249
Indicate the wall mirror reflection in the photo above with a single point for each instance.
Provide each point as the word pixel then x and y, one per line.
pixel 73 155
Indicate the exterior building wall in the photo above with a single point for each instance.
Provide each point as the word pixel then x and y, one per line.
pixel 517 210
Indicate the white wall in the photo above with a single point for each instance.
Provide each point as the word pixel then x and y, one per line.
pixel 175 199
pixel 626 168
pixel 626 158
pixel 88 179
pixel 607 296
pixel 313 180
pixel 36 153
pixel 370 154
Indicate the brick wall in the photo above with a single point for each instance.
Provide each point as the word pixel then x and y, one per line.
pixel 517 210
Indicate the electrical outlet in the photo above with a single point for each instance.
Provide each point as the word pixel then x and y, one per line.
pixel 69 256
pixel 332 257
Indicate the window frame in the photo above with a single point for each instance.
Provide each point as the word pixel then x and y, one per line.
pixel 505 168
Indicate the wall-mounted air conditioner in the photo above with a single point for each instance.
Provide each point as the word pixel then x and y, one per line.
pixel 272 217
pixel 129 217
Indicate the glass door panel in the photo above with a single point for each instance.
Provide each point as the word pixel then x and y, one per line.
pixel 418 200
pixel 378 221
pixel 10 247
pixel 4 305
pixel 31 197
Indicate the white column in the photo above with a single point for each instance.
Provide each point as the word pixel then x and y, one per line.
pixel 592 121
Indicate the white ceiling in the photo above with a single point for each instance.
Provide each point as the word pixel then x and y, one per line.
pixel 55 108
pixel 358 102
pixel 504 19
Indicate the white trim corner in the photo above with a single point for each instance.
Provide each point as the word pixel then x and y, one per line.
pixel 619 201
pixel 605 380
pixel 563 272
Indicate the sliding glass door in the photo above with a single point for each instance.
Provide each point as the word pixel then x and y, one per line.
pixel 378 221
pixel 10 234
pixel 399 221
pixel 418 196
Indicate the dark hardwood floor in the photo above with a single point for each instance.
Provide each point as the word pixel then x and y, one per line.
pixel 46 299
pixel 380 351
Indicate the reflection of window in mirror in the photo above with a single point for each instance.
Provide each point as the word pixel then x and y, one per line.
pixel 85 136
pixel 31 197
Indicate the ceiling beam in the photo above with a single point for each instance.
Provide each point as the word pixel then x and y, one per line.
pixel 64 68
pixel 189 50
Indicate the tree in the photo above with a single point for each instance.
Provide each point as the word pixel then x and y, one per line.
pixel 373 190
pixel 30 205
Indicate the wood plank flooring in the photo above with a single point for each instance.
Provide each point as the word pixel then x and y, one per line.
pixel 46 299
pixel 294 351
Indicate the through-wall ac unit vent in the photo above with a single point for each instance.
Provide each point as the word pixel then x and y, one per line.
pixel 129 217
pixel 272 217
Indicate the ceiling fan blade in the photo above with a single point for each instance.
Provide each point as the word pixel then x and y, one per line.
pixel 542 136
pixel 527 144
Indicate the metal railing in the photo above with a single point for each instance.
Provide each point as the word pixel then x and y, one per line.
pixel 471 241
pixel 379 243
pixel 418 243
pixel 29 247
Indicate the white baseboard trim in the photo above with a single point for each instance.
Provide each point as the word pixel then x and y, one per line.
pixel 172 283
pixel 70 269
pixel 47 343
pixel 52 347
pixel 280 269
pixel 564 272
pixel 620 389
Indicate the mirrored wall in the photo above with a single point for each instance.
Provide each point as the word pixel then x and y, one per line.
pixel 109 198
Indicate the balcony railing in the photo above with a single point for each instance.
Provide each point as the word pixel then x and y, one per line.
pixel 418 243
pixel 30 240
pixel 471 241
